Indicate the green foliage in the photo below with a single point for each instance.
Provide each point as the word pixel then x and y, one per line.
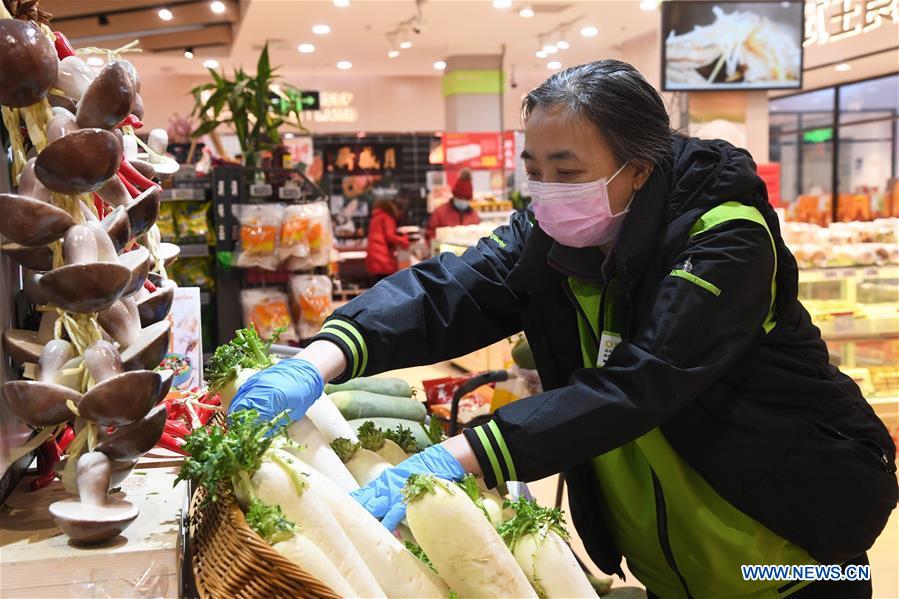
pixel 370 436
pixel 256 107
pixel 403 437
pixel 418 552
pixel 469 484
pixel 344 448
pixel 246 350
pixel 531 518
pixel 269 522
pixel 434 431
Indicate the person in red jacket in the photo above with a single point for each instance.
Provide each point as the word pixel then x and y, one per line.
pixel 383 240
pixel 458 210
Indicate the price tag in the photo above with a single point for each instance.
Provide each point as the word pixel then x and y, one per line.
pixel 261 190
pixel 289 193
pixel 831 274
pixel 872 271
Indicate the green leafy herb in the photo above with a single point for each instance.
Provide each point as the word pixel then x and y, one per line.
pixel 216 454
pixel 434 431
pixel 419 485
pixel 344 448
pixel 370 436
pixel 269 522
pixel 403 437
pixel 418 552
pixel 453 595
pixel 469 484
pixel 530 518
pixel 246 350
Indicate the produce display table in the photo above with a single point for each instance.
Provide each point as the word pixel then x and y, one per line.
pixel 37 560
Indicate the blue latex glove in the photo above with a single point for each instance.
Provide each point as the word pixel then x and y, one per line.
pixel 291 385
pixel 383 497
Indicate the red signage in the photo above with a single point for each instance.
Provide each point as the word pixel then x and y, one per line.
pixel 472 150
pixel 770 174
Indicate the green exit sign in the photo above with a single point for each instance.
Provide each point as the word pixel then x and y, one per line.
pixel 817 136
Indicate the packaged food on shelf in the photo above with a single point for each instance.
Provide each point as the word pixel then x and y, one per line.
pixel 844 244
pixel 310 298
pixel 194 272
pixel 260 228
pixel 268 310
pixel 306 236
pixel 166 223
pixel 192 220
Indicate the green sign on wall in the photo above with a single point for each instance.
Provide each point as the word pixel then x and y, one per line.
pixel 472 81
pixel 817 136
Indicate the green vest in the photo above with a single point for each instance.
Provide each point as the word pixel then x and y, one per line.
pixel 679 536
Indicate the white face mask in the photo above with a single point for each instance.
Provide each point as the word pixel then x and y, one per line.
pixel 577 214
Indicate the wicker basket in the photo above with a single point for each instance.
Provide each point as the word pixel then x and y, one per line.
pixel 231 560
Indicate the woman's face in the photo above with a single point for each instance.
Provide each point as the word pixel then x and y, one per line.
pixel 564 147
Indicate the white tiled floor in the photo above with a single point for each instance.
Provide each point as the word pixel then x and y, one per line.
pixel 884 556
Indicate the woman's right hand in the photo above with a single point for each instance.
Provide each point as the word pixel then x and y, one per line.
pixel 291 385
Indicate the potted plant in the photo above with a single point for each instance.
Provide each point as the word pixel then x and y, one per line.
pixel 255 106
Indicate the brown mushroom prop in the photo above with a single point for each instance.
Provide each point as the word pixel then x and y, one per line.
pixel 31 286
pixel 85 288
pixel 94 517
pixel 150 348
pixel 29 63
pixel 108 99
pixel 138 261
pixel 44 402
pixel 22 346
pixel 156 306
pixel 118 227
pixel 30 222
pixel 143 167
pixel 114 193
pixel 169 252
pixel 143 210
pixel 119 397
pixel 131 441
pixel 38 258
pixel 119 322
pixel 62 123
pixel 80 162
pixel 30 186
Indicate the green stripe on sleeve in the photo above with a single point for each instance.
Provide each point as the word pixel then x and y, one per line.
pixel 349 343
pixel 688 276
pixel 503 449
pixel 491 455
pixel 352 330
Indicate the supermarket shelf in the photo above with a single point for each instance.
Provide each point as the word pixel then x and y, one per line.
pixel 883 401
pixel 194 250
pixel 180 194
pixel 817 275
pixel 847 328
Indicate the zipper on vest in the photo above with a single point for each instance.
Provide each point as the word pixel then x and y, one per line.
pixel 662 528
pixel 580 310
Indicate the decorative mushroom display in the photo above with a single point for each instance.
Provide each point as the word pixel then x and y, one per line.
pixel 82 221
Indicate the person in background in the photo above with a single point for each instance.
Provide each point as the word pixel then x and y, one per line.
pixel 383 240
pixel 458 210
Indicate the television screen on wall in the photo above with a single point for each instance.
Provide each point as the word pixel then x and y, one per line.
pixel 731 45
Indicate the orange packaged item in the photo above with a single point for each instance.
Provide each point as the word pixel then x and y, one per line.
pixel 260 228
pixel 294 233
pixel 310 297
pixel 310 236
pixel 268 310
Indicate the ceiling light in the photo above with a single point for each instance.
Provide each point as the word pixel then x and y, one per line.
pixel 321 29
pixel 341 3
pixel 527 12
pixel 843 67
pixel 440 65
pixel 540 54
pixel 217 7
pixel 649 5
pixel 344 65
pixel 393 54
pixel 305 48
pixel 502 4
pixel 550 48
pixel 406 45
pixel 211 63
pixel 95 61
pixel 562 45
pixel 188 53
pixel 554 65
pixel 165 14
pixel 589 31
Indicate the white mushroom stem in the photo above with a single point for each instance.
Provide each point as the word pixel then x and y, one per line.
pixel 54 355
pixel 94 471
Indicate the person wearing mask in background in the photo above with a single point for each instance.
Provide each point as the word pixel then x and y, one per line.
pixel 383 240
pixel 458 210
pixel 689 399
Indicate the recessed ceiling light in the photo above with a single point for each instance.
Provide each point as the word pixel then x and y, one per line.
pixel 305 48
pixel 188 53
pixel 321 29
pixel 211 63
pixel 649 5
pixel 554 65
pixel 843 67
pixel 502 4
pixel 341 3
pixel 540 54
pixel 406 45
pixel 95 61
pixel 217 7
pixel 393 54
pixel 440 65
pixel 527 12
pixel 550 48
pixel 589 31
pixel 344 65
pixel 562 45
pixel 165 14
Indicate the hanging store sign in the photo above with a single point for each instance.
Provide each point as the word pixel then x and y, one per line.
pixel 360 159
pixel 473 150
pixel 829 21
pixel 817 136
pixel 334 107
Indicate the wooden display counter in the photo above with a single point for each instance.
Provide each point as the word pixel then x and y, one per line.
pixel 37 560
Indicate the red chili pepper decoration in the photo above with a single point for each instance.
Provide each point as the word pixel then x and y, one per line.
pixel 47 458
pixel 133 176
pixel 63 47
pixel 176 428
pixel 167 441
pixel 132 191
pixel 149 286
pixel 130 121
pixel 66 438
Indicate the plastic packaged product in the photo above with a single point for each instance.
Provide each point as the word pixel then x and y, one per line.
pixel 316 235
pixel 267 310
pixel 166 222
pixel 260 228
pixel 193 272
pixel 310 298
pixel 295 233
pixel 193 222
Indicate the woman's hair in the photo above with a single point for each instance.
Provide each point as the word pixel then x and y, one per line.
pixel 615 97
pixel 388 205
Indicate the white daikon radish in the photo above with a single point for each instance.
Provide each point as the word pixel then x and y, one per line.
pixel 319 454
pixel 468 553
pixel 489 502
pixel 311 559
pixel 329 421
pixel 278 481
pixel 227 393
pixel 374 439
pixel 399 572
pixel 537 537
pixel 364 465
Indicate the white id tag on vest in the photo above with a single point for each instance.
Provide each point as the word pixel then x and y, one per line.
pixel 607 343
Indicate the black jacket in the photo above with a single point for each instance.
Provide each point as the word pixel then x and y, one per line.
pixel 773 427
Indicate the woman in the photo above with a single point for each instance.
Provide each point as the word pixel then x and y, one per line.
pixel 380 260
pixel 458 210
pixel 689 400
